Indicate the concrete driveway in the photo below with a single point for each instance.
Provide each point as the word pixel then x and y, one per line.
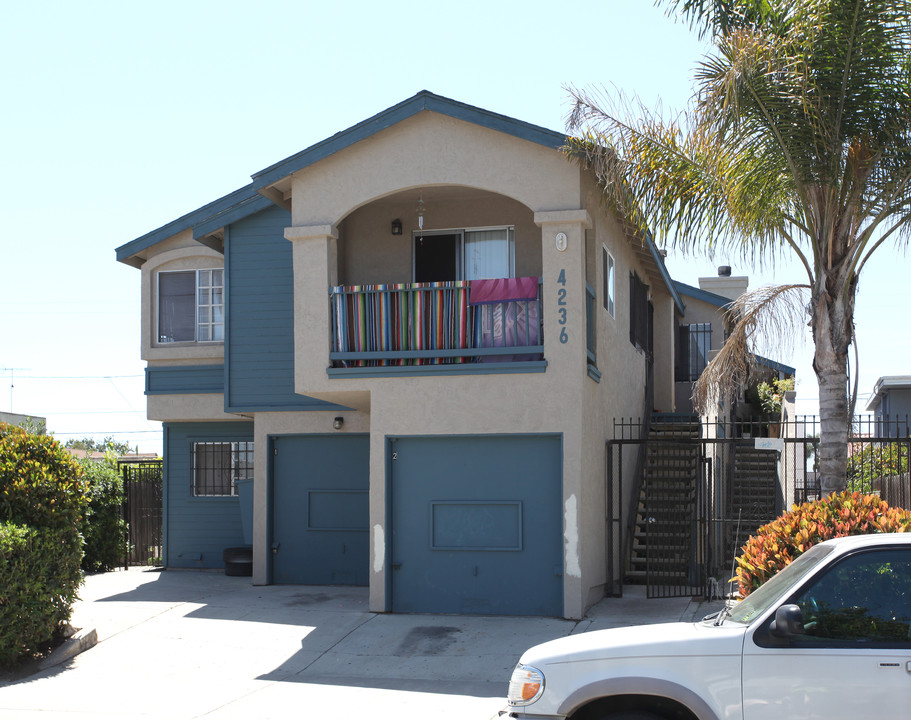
pixel 188 644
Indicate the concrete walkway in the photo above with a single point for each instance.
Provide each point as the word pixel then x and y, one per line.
pixel 188 644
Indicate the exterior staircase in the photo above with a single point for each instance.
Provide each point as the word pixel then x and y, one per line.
pixel 755 491
pixel 663 530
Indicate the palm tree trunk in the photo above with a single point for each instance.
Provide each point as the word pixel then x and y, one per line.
pixel 830 361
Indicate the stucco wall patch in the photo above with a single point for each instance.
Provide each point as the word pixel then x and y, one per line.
pixel 571 537
pixel 379 548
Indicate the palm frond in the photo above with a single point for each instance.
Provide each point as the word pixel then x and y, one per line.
pixel 766 319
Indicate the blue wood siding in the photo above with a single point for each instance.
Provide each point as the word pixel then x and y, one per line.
pixel 198 529
pixel 259 351
pixel 185 379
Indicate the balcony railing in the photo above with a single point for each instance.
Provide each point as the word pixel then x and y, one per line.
pixel 436 323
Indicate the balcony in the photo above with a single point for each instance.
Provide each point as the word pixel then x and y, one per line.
pixel 493 325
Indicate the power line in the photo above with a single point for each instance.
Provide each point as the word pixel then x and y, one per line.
pixel 72 377
pixel 83 433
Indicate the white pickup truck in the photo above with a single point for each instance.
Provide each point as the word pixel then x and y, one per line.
pixel 828 637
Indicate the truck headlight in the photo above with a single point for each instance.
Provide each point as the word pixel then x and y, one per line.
pixel 525 685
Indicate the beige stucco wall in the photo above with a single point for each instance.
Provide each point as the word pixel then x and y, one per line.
pixel 431 149
pixel 369 253
pixel 339 211
pixel 188 408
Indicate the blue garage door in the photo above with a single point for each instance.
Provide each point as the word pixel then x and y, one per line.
pixel 477 525
pixel 320 515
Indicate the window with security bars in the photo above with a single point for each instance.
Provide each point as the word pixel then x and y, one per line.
pixel 694 343
pixel 218 465
pixel 639 314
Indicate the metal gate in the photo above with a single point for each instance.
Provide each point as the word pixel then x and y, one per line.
pixel 680 505
pixel 142 510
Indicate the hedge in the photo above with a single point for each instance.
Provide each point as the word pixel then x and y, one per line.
pixel 39 579
pixel 104 528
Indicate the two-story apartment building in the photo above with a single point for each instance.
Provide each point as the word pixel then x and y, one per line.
pixel 413 336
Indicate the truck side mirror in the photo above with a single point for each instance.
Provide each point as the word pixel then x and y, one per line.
pixel 788 622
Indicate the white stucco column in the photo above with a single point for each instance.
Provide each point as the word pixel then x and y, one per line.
pixel 563 267
pixel 315 264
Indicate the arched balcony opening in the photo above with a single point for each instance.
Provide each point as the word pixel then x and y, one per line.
pixel 437 276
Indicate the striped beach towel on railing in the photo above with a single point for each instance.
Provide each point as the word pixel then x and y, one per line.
pixel 394 317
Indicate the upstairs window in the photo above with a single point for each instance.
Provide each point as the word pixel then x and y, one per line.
pixel 217 466
pixel 191 306
pixel 639 314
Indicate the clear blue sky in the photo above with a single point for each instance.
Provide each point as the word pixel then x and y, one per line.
pixel 119 117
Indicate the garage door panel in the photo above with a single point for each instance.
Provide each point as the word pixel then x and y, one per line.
pixel 477 525
pixel 337 510
pixel 320 510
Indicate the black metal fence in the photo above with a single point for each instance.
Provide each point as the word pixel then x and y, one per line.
pixel 682 502
pixel 142 510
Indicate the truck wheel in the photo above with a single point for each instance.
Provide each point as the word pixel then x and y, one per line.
pixel 633 715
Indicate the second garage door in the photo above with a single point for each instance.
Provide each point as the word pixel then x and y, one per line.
pixel 477 525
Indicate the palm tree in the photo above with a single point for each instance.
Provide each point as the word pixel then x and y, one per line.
pixel 797 141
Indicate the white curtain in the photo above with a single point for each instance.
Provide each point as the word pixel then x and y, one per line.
pixel 488 254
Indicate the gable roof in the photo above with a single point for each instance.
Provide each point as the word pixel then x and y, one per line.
pixel 237 204
pixel 256 196
pixel 259 194
pixel 424 100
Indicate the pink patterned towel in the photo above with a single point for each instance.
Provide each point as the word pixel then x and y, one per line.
pixel 503 290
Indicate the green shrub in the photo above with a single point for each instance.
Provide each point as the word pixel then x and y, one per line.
pixel 39 578
pixel 42 500
pixel 40 483
pixel 782 540
pixel 103 528
pixel 875 462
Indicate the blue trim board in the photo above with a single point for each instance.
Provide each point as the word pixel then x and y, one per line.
pixel 244 209
pixel 165 495
pixel 662 268
pixel 423 100
pixel 229 201
pixel 185 380
pixel 532 366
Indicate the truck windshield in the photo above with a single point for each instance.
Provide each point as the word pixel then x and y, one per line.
pixel 778 586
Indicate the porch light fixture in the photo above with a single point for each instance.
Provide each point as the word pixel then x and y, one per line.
pixel 396 227
pixel 338 422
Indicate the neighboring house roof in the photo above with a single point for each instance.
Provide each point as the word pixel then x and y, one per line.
pixel 883 385
pixel 22 420
pixel 776 366
pixel 98 455
pixel 700 294
pixel 250 199
pixel 723 303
